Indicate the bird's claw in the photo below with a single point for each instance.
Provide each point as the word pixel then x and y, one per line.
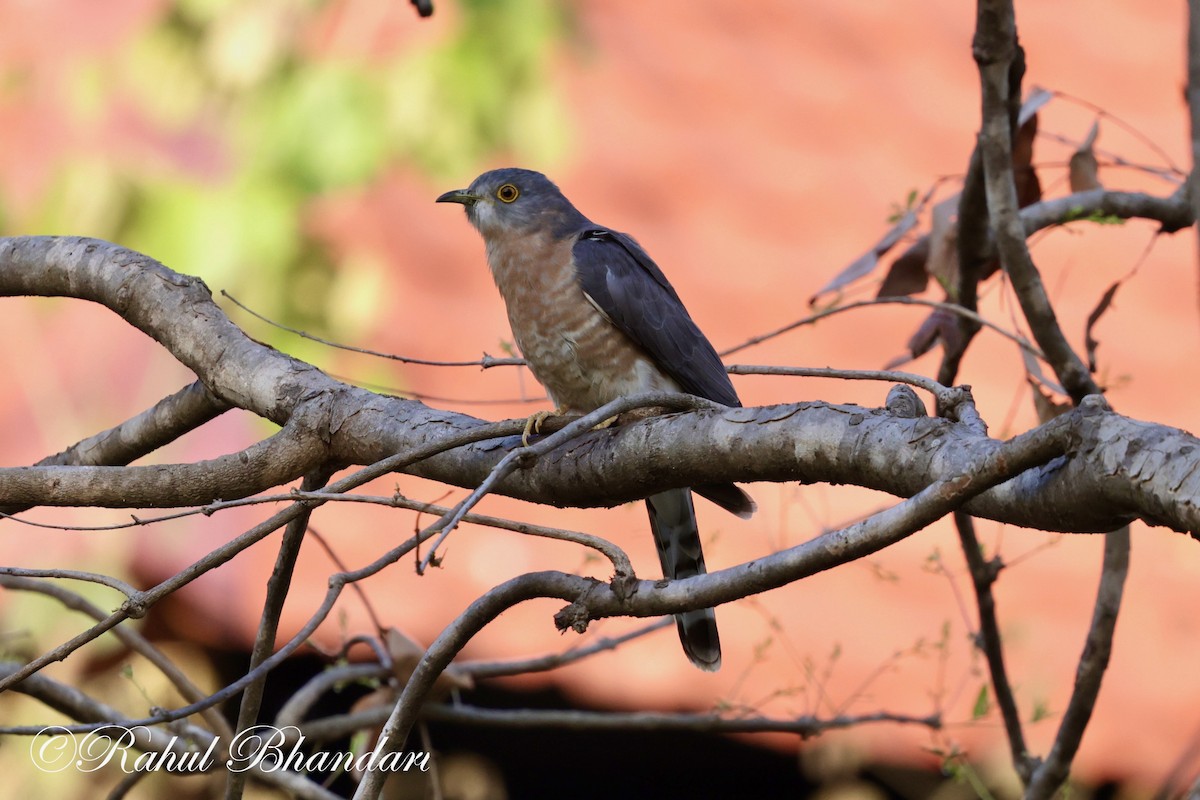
pixel 534 423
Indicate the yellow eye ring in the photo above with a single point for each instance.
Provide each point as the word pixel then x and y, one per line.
pixel 508 193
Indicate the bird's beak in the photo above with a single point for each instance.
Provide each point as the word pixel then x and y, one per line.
pixel 460 196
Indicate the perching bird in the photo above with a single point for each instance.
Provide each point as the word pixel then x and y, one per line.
pixel 596 319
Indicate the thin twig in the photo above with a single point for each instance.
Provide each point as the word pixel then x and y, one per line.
pixel 805 727
pixel 953 308
pixel 494 669
pixel 527 454
pixel 298 705
pixel 1127 127
pixel 911 378
pixel 74 575
pixel 983 575
pixel 487 362
pixel 132 639
pixel 268 627
pixel 620 561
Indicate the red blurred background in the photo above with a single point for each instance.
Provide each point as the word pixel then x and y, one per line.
pixel 290 153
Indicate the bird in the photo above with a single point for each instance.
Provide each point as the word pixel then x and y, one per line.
pixel 596 320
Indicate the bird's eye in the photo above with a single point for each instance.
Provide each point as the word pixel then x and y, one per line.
pixel 508 193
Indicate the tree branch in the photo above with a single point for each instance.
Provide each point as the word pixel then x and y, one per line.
pixel 592 600
pixel 129 637
pixel 78 705
pixel 995 51
pixel 298 447
pixel 1051 774
pixel 983 576
pixel 264 642
pixel 809 442
pixel 164 422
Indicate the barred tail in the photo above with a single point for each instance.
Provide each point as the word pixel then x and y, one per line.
pixel 673 520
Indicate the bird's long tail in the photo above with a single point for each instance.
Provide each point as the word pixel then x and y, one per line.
pixel 673 520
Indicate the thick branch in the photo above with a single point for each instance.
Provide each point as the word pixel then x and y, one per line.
pixel 593 600
pixel 300 446
pixel 162 423
pixel 996 51
pixel 1173 213
pixel 1121 469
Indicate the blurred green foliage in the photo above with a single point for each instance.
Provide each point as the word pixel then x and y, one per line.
pixel 250 124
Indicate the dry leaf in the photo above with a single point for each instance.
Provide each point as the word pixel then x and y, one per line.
pixel 866 263
pixel 1034 369
pixel 907 274
pixel 406 655
pixel 1084 168
pixel 1034 101
pixel 941 325
pixel 943 248
pixel 1029 188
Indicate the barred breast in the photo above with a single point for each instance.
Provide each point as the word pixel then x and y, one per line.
pixel 572 348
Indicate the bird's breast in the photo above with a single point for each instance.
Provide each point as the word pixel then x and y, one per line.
pixel 582 359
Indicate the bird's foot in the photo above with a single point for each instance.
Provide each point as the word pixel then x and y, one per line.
pixel 534 423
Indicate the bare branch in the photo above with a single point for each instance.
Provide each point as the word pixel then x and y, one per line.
pixel 525 455
pixel 162 423
pixel 297 448
pixel 952 308
pixel 487 362
pixel 620 561
pixel 591 600
pixel 995 50
pixel 74 575
pixel 131 638
pixel 1173 212
pixel 1051 774
pixel 912 379
pixel 78 705
pixel 166 421
pixel 136 606
pixel 268 627
pixel 805 727
pixel 298 705
pixel 350 425
pixel 983 575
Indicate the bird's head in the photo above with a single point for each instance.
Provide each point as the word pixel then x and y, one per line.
pixel 515 201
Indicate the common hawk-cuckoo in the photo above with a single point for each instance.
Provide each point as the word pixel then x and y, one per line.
pixel 596 319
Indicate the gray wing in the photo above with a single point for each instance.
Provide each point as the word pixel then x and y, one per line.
pixel 625 283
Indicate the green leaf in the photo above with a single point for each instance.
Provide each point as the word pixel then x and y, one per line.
pixel 982 703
